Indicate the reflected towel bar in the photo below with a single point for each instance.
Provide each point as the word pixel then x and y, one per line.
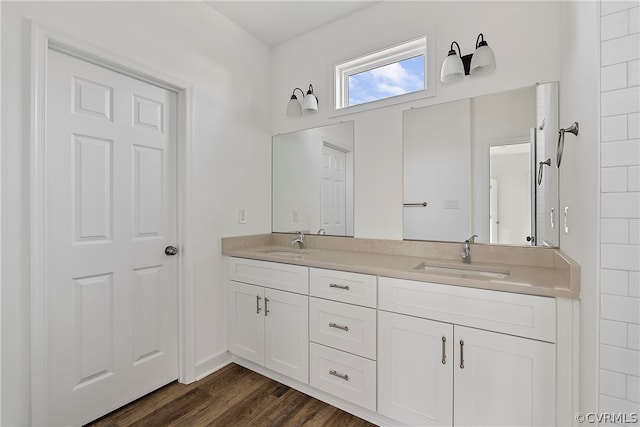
pixel 417 205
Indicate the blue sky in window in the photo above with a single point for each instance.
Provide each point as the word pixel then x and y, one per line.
pixel 390 80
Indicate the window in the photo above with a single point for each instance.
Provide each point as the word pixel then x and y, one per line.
pixel 385 74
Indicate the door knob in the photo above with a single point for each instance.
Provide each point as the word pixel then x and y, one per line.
pixel 170 250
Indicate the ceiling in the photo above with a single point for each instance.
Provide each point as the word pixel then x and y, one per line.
pixel 276 22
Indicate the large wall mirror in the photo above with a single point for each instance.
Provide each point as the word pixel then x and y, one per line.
pixel 484 166
pixel 312 174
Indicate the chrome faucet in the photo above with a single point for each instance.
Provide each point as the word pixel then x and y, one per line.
pixel 466 249
pixel 299 240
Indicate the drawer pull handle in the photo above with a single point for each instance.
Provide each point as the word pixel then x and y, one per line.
pixel 339 375
pixel 335 325
pixel 444 350
pixel 461 354
pixel 258 304
pixel 333 285
pixel 266 310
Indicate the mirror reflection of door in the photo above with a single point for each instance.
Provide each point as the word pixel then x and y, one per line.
pixel 510 194
pixel 494 221
pixel 333 190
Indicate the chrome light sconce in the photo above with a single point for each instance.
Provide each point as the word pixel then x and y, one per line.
pixel 456 66
pixel 307 104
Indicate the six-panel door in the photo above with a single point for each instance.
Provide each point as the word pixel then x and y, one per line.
pixel 110 189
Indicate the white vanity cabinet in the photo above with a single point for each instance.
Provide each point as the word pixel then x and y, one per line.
pixel 470 357
pixel 269 315
pixel 343 335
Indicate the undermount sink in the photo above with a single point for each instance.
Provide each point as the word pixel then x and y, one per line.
pixel 468 271
pixel 288 253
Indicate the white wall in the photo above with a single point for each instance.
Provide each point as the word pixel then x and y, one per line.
pixel 500 118
pixel 231 144
pixel 523 35
pixel 620 207
pixel 533 42
pixel 437 170
pixel 513 173
pixel 579 100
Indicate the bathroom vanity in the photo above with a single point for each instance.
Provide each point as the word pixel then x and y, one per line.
pixel 404 333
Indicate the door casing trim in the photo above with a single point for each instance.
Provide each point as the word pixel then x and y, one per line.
pixel 42 40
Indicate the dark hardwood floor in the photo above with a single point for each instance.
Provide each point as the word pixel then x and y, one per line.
pixel 232 396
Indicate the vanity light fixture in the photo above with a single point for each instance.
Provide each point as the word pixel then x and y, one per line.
pixel 456 66
pixel 308 104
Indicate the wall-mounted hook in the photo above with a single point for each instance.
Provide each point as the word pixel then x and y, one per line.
pixel 571 129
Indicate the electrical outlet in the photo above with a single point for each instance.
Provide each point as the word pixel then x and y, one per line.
pixel 242 216
pixel 294 216
pixel 566 219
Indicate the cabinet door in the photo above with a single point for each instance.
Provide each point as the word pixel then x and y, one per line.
pixel 502 380
pixel 287 334
pixel 415 378
pixel 246 321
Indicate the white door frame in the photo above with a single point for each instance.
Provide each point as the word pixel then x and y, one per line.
pixel 43 39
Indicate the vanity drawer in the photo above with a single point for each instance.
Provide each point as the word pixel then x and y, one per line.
pixel 286 277
pixel 344 375
pixel 343 326
pixel 353 288
pixel 515 314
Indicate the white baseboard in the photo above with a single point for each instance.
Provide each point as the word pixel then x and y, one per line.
pixel 212 364
pixel 358 411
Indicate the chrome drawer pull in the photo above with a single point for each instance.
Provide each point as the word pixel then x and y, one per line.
pixel 266 310
pixel 339 375
pixel 335 325
pixel 444 350
pixel 461 354
pixel 258 304
pixel 333 285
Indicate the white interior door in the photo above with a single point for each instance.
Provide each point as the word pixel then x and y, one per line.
pixel 494 221
pixel 111 291
pixel 333 191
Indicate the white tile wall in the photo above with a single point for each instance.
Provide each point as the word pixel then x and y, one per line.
pixel 614 77
pixel 620 207
pixel 613 384
pixel 633 73
pixel 614 230
pixel 618 359
pixel 633 389
pixel 633 336
pixel 620 153
pixel 614 179
pixel 621 101
pixel 614 333
pixel 634 119
pixel 618 50
pixel 615 128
